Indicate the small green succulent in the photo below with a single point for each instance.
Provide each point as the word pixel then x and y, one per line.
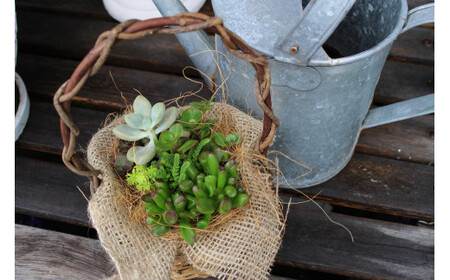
pixel 145 122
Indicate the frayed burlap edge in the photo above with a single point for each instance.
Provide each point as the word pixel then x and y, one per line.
pixel 242 248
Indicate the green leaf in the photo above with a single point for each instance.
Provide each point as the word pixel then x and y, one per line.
pixel 187 146
pixel 183 169
pixel 128 133
pixel 160 230
pixel 191 117
pixel 219 139
pixel 194 153
pixel 233 138
pixel 187 232
pixel 204 132
pixel 202 106
pixel 176 167
pixel 139 178
pixel 167 137
pixel 205 205
pixel 142 106
pixel 176 130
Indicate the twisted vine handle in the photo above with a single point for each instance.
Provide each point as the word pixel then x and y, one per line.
pixel 134 29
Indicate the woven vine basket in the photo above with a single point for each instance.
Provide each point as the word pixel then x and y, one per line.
pixel 242 247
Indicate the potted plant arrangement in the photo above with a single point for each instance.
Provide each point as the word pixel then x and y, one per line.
pixel 182 192
pixel 182 172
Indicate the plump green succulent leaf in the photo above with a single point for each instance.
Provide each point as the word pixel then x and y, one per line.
pixel 142 155
pixel 202 106
pixel 204 132
pixel 176 130
pixel 187 146
pixel 158 111
pixel 169 118
pixel 167 137
pixel 137 121
pixel 166 140
pixel 142 106
pixel 233 138
pixel 219 139
pixel 128 133
pixel 191 116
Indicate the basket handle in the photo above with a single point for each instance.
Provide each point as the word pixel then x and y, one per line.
pixel 134 29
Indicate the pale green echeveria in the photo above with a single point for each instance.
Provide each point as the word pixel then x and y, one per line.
pixel 145 122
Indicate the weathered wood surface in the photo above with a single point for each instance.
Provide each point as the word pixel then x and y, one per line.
pixel 311 241
pixel 43 254
pixel 49 190
pixel 381 250
pixel 71 37
pixel 367 183
pixel 80 8
pixel 410 140
pixel 406 140
pixel 401 81
pixel 389 186
pixel 44 75
pixel 423 51
pixel 96 9
pixel 50 36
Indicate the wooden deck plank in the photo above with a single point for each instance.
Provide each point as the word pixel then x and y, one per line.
pixel 43 254
pixel 406 140
pixel 95 8
pixel 72 37
pixel 389 186
pixel 401 81
pixel 381 250
pixel 49 190
pixel 81 8
pixel 409 140
pixel 398 81
pixel 44 75
pixel 415 45
pixel 368 183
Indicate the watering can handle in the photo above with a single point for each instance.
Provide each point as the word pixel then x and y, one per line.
pixel 196 44
pixel 410 108
pixel 319 20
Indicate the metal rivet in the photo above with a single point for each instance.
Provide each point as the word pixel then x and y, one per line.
pixel 294 49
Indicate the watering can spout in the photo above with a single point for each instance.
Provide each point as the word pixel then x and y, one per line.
pixel 196 44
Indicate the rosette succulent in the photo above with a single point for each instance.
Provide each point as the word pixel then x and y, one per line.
pixel 146 122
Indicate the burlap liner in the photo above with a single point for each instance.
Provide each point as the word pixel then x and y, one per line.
pixel 242 248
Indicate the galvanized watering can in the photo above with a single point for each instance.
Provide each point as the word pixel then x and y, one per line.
pixel 322 102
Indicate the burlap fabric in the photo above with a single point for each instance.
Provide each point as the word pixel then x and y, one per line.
pixel 242 248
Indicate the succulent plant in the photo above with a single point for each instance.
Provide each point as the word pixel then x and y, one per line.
pixel 192 178
pixel 145 122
